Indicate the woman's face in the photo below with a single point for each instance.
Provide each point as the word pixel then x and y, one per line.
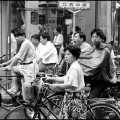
pixel 69 58
pixel 96 40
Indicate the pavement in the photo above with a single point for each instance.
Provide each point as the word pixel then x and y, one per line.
pixel 3 112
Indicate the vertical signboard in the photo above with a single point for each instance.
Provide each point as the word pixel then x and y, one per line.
pixel 34 18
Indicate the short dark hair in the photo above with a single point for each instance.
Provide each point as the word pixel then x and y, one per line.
pixel 104 38
pixel 36 36
pixel 13 30
pixel 99 33
pixel 77 28
pixel 45 35
pixel 58 29
pixel 74 50
pixel 19 32
pixel 81 35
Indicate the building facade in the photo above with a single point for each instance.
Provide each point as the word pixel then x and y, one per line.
pixel 37 14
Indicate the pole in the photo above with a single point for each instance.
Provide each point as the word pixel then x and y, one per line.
pixel 8 47
pixel 74 13
pixel 1 28
pixel 73 23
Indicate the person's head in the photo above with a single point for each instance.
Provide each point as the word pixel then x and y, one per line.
pixel 23 27
pixel 104 39
pixel 77 29
pixel 44 38
pixel 97 36
pixel 13 30
pixel 57 30
pixel 79 38
pixel 20 35
pixel 72 53
pixel 35 39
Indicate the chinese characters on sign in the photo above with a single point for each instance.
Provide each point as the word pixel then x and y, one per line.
pixel 34 18
pixel 75 5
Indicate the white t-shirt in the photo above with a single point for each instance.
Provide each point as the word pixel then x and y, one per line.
pixel 49 54
pixel 27 52
pixel 85 46
pixel 58 39
pixel 75 77
pixel 39 49
pixel 13 44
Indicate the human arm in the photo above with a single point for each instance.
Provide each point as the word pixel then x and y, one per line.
pixel 13 62
pixel 70 80
pixel 46 52
pixel 55 79
pixel 20 55
pixel 61 86
pixel 6 63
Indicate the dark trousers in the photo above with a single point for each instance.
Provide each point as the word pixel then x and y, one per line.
pixel 97 87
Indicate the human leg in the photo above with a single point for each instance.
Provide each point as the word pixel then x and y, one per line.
pixel 15 86
pixel 96 89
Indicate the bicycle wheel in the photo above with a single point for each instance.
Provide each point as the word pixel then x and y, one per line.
pixel 25 112
pixel 54 104
pixel 7 99
pixel 102 111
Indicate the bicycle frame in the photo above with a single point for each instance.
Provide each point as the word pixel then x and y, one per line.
pixel 13 97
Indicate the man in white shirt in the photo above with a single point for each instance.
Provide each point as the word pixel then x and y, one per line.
pixel 35 39
pixel 80 40
pixel 58 41
pixel 26 54
pixel 48 57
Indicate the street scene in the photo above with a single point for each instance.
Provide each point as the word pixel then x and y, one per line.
pixel 59 60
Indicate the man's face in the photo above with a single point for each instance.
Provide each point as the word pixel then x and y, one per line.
pixel 34 41
pixel 20 39
pixel 42 40
pixel 77 40
pixel 55 31
pixel 96 40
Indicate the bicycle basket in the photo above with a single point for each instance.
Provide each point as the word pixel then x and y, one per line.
pixel 30 92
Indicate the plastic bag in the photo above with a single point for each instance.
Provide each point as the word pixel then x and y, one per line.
pixel 30 92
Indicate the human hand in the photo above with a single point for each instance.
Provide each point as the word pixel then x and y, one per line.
pixel 48 78
pixel 118 56
pixel 1 65
pixel 8 67
pixel 53 86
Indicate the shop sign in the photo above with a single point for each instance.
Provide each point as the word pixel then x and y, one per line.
pixel 73 5
pixel 34 18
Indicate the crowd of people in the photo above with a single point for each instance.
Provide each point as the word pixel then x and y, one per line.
pixel 82 60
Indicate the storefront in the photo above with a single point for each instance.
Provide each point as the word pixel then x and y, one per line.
pixel 54 16
pixel 10 17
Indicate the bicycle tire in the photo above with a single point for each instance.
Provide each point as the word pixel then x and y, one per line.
pixel 20 113
pixel 7 100
pixel 111 111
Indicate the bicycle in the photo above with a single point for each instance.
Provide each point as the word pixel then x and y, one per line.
pixel 39 110
pixel 10 101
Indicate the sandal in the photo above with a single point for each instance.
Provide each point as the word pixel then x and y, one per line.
pixel 12 92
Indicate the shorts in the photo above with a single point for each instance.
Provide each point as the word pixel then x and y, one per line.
pixel 29 71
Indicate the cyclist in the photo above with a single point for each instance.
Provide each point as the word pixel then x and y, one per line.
pixel 26 55
pixel 48 58
pixel 35 39
pixel 98 69
pixel 72 83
